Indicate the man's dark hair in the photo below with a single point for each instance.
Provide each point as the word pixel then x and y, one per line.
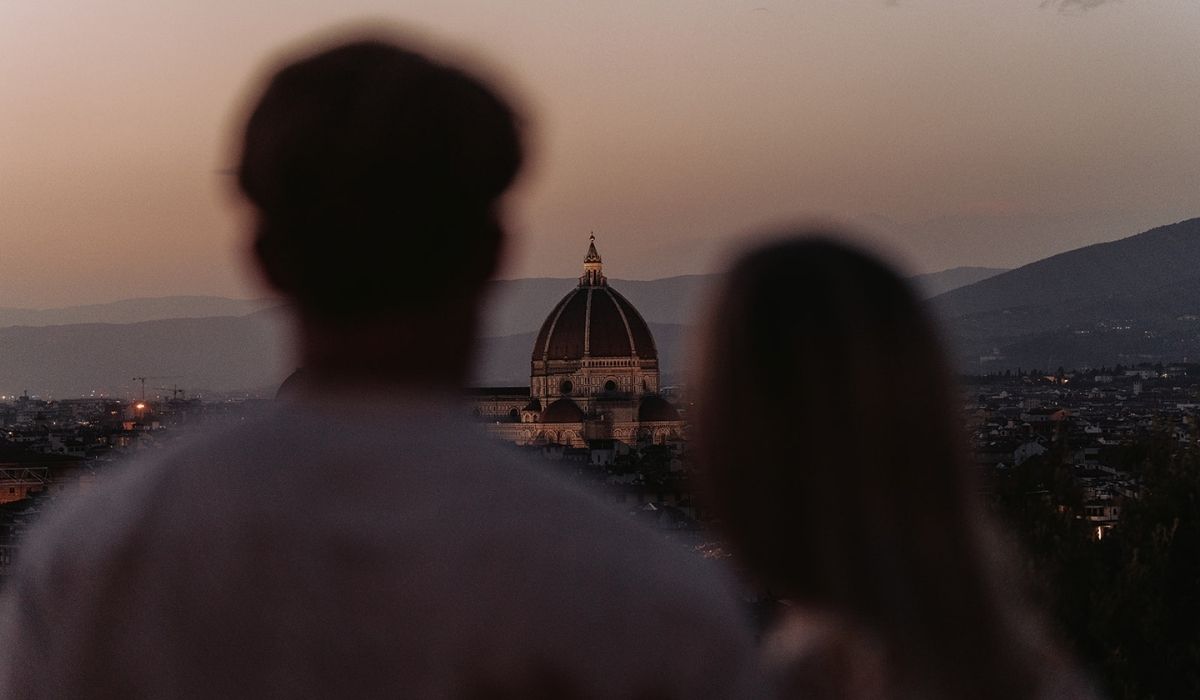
pixel 375 171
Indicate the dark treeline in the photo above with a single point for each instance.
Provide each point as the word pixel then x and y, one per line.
pixel 1128 603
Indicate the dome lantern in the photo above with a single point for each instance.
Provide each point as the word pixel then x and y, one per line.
pixel 593 267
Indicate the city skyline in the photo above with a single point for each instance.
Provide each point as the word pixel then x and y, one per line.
pixel 952 133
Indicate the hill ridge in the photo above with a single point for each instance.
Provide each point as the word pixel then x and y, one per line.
pixel 1014 288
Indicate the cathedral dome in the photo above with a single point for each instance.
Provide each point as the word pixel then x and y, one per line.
pixel 594 320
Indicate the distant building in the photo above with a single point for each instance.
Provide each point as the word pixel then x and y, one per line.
pixel 25 472
pixel 594 375
pixel 1037 416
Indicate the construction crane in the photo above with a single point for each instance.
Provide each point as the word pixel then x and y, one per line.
pixel 176 392
pixel 143 381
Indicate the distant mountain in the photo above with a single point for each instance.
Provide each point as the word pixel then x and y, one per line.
pixel 517 308
pixel 1128 267
pixel 1132 300
pixel 135 310
pixel 220 344
pixel 202 354
pixel 935 283
pixel 520 306
pixel 504 361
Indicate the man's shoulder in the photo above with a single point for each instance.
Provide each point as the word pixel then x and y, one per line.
pixel 491 496
pixel 80 528
pixel 420 472
pixel 480 550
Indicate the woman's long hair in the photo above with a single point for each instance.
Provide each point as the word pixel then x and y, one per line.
pixel 829 434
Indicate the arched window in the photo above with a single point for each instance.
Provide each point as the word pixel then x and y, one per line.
pixel 610 385
pixel 566 386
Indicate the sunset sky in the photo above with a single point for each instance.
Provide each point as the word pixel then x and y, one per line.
pixel 954 132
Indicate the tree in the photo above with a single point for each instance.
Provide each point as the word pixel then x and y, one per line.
pixel 1127 604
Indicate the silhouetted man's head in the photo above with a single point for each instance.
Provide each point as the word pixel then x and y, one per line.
pixel 375 172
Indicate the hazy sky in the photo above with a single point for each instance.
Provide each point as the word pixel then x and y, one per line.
pixel 957 132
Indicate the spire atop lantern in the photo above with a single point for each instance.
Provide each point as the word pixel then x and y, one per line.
pixel 593 267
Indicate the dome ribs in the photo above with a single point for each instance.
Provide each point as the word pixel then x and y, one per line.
pixel 565 341
pixel 594 322
pixel 547 332
pixel 587 324
pixel 609 334
pixel 633 349
pixel 641 341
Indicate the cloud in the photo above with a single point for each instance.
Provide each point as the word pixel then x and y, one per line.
pixel 1074 5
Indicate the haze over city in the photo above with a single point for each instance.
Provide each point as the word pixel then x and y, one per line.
pixel 956 133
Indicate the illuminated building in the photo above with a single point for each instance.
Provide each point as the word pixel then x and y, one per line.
pixel 594 374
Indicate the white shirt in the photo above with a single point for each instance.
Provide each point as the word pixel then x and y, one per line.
pixel 371 550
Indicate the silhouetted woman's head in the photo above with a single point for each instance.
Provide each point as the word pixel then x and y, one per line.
pixel 830 438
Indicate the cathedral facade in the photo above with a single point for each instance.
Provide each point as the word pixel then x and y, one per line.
pixel 594 374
